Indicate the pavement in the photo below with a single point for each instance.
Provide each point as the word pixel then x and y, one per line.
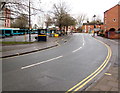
pixel 110 80
pixel 20 49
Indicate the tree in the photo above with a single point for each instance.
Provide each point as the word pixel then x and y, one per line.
pixel 80 19
pixel 61 15
pixel 18 7
pixel 59 11
pixel 20 22
pixel 69 21
pixel 48 21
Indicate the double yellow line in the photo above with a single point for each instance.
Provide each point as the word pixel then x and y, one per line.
pixel 82 83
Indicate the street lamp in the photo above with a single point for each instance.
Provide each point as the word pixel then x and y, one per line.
pixel 29 23
pixel 94 25
pixel 94 21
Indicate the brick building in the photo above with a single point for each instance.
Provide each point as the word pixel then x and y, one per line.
pixel 112 21
pixel 89 27
pixel 5 18
pixel 7 14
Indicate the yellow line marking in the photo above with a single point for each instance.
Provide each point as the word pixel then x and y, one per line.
pixel 96 72
pixel 86 77
pixel 41 35
pixel 108 74
pixel 92 76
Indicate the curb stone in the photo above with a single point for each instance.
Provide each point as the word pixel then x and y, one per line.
pixel 16 54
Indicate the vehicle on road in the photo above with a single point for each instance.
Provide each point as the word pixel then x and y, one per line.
pixel 20 31
pixel 5 32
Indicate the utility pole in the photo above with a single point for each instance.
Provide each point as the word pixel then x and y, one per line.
pixel 29 23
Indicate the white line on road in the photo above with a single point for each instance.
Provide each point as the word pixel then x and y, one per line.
pixel 80 47
pixel 41 62
pixel 83 43
pixel 77 49
pixel 83 40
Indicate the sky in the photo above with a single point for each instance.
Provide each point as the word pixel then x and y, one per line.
pixel 77 7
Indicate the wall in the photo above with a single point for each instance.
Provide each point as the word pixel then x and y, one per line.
pixel 119 16
pixel 91 27
pixel 109 17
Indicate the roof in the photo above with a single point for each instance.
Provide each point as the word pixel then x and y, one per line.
pixel 93 23
pixel 112 7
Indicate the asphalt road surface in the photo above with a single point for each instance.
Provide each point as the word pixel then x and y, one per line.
pixel 56 69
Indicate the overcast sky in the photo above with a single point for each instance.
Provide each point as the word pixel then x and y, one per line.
pixel 88 7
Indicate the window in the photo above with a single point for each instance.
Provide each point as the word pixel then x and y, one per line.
pixel 114 20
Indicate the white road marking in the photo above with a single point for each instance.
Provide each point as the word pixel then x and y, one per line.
pixel 77 49
pixel 82 45
pixel 83 40
pixel 41 62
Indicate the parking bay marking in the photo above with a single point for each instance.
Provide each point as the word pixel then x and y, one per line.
pixel 41 62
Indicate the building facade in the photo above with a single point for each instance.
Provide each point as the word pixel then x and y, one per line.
pixel 7 14
pixel 112 21
pixel 89 27
pixel 5 18
pixel 1 19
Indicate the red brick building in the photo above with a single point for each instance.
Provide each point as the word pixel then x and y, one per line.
pixel 7 14
pixel 112 21
pixel 89 27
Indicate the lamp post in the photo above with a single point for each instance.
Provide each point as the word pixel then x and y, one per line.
pixel 29 23
pixel 94 25
pixel 94 21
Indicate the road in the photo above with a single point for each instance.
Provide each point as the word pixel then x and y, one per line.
pixel 56 69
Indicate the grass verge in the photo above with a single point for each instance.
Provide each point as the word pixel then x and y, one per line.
pixel 14 43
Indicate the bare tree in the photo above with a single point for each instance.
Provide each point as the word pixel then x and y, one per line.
pixel 18 7
pixel 49 21
pixel 60 10
pixel 41 21
pixel 80 19
pixel 63 18
pixel 20 22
